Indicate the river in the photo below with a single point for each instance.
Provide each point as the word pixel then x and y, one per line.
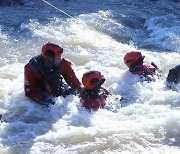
pixel 97 37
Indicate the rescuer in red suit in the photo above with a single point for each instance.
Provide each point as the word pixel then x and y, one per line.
pixel 44 74
pixel 93 96
pixel 134 61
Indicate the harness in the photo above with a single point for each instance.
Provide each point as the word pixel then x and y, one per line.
pixel 51 77
pixel 97 93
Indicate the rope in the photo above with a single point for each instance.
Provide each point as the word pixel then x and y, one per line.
pixel 61 11
pixel 57 8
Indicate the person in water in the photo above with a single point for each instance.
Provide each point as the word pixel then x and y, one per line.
pixel 174 75
pixel 93 95
pixel 135 62
pixel 44 74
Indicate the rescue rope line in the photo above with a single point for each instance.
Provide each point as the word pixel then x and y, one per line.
pixel 61 11
pixel 57 8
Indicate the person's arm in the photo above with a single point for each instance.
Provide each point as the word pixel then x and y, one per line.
pixel 149 69
pixel 69 75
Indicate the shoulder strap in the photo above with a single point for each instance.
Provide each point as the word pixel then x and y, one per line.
pixel 35 64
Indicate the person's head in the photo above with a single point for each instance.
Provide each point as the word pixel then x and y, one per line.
pixel 92 80
pixel 51 54
pixel 133 58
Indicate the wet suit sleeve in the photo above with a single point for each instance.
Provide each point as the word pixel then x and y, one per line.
pixel 30 84
pixel 69 75
pixel 149 69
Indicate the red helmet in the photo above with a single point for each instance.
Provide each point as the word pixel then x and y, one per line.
pixel 132 57
pixel 91 79
pixel 51 50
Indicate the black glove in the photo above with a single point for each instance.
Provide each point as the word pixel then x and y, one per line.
pixel 68 92
pixel 48 102
pixel 153 64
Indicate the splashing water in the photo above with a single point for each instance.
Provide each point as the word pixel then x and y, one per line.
pixel 147 120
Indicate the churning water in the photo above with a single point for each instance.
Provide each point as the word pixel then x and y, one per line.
pixel 96 38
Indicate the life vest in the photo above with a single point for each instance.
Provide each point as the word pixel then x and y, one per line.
pixel 93 99
pixel 51 77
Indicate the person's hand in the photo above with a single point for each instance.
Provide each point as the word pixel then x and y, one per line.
pixel 68 92
pixel 47 102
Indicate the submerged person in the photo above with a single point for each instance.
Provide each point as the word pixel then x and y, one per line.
pixel 44 76
pixel 93 95
pixel 173 76
pixel 135 62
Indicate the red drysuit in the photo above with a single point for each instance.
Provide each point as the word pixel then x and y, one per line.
pixel 94 99
pixel 36 77
pixel 144 69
